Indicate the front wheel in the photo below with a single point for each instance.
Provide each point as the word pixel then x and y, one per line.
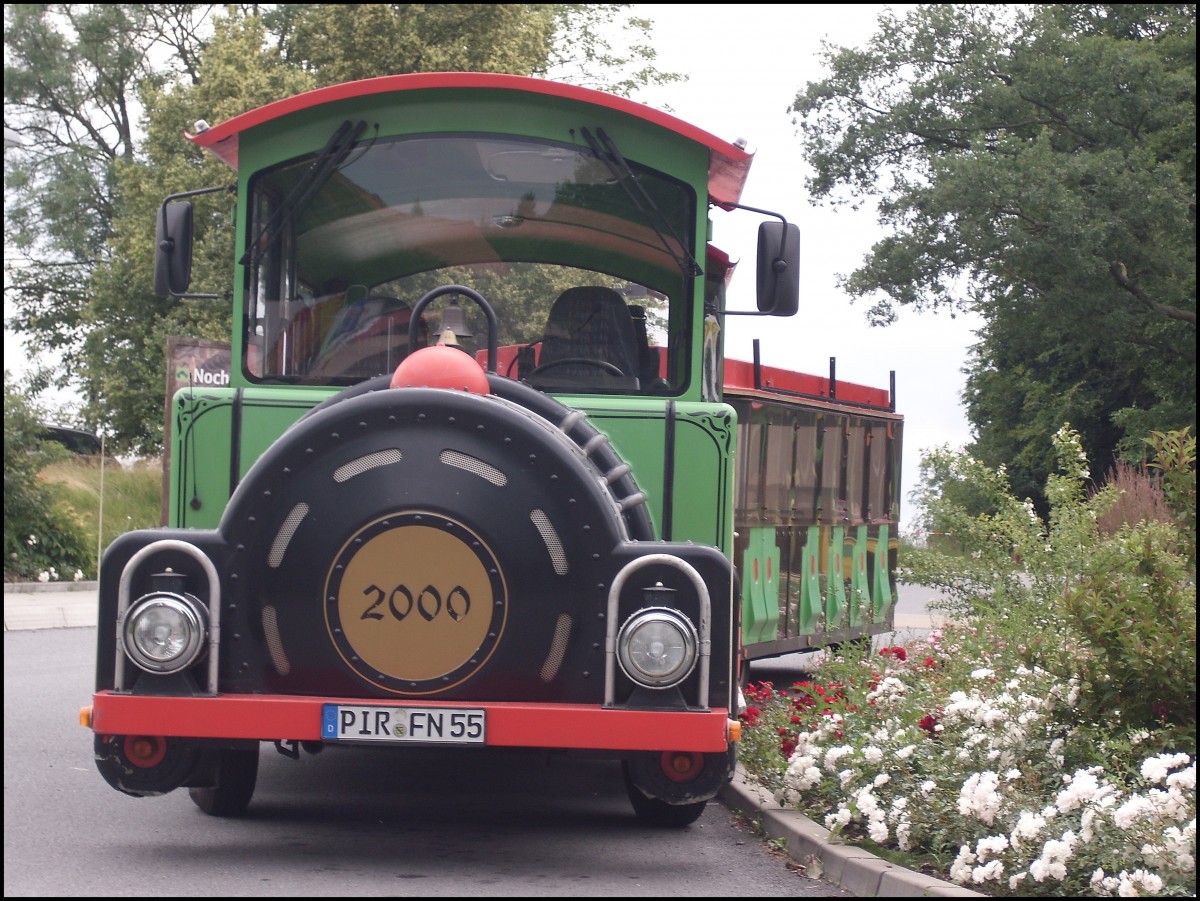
pixel 236 774
pixel 656 812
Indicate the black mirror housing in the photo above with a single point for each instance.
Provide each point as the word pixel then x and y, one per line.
pixel 778 268
pixel 173 249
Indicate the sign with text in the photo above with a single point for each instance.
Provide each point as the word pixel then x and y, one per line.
pixel 191 363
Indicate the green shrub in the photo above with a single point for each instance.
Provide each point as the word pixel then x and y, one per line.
pixel 43 536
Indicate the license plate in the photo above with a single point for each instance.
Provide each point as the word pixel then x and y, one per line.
pixel 425 725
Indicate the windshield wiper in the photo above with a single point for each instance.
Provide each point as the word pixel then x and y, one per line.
pixel 327 162
pixel 606 151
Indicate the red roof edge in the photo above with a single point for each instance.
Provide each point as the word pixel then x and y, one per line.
pixel 728 164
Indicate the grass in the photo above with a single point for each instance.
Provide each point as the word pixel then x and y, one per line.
pixel 109 501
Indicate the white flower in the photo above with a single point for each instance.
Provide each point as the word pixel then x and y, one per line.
pixel 1184 780
pixel 1132 885
pixel 1086 820
pixel 78 575
pixel 841 818
pixel 882 779
pixel 802 773
pixel 867 803
pixel 978 797
pixel 833 755
pixel 873 754
pixel 961 870
pixel 1155 769
pixel 1132 810
pixel 43 576
pixel 993 869
pixel 991 844
pixel 1101 884
pixel 878 831
pixel 1082 789
pixel 928 786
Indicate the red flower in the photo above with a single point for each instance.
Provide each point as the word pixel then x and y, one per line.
pixel 930 663
pixel 897 652
pixel 750 715
pixel 927 722
pixel 788 747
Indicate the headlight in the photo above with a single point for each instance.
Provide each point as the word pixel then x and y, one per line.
pixel 657 647
pixel 164 632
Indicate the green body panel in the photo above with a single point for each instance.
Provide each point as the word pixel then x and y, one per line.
pixel 699 505
pixel 859 588
pixel 811 602
pixel 760 587
pixel 882 597
pixel 202 477
pixel 203 471
pixel 835 589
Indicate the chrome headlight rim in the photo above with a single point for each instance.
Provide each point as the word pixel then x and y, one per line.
pixel 189 614
pixel 630 647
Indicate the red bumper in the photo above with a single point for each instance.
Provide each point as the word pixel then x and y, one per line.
pixel 511 724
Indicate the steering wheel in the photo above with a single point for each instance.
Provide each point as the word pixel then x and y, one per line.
pixel 586 361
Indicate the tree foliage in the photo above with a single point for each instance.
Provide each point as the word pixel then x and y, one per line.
pixel 1036 165
pixel 82 191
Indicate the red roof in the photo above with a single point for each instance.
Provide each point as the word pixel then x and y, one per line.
pixel 728 165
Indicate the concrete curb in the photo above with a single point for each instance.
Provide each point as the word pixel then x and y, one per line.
pixel 43 587
pixel 50 605
pixel 809 844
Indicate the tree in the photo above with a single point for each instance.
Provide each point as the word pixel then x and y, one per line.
pixel 75 74
pixel 1036 165
pixel 71 76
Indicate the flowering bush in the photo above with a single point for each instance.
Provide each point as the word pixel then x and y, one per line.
pixel 960 755
pixel 1043 745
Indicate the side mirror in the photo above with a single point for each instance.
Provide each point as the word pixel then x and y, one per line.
pixel 173 249
pixel 778 268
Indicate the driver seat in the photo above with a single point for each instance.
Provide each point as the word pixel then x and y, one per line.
pixel 589 323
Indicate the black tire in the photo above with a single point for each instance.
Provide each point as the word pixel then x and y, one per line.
pixel 236 774
pixel 656 812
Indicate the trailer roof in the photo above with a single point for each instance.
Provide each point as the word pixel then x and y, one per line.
pixel 728 164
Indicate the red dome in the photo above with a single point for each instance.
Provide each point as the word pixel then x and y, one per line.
pixel 440 366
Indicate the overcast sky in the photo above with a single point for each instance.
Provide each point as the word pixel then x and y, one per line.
pixel 745 65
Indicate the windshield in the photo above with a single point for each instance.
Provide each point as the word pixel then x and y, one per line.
pixel 582 268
